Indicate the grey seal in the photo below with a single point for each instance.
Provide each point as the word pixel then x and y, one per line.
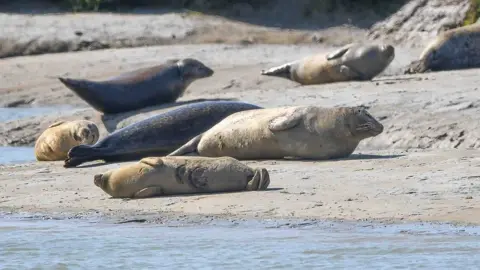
pixel 160 176
pixel 352 62
pixel 307 132
pixel 158 134
pixel 54 142
pixel 140 88
pixel 454 49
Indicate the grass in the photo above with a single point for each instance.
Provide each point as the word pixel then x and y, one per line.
pixel 473 13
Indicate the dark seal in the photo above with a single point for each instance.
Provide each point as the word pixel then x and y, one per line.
pixel 140 88
pixel 157 135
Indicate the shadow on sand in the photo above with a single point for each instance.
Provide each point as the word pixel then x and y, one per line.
pixel 192 194
pixel 351 157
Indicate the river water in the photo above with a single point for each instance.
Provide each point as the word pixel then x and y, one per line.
pixel 28 243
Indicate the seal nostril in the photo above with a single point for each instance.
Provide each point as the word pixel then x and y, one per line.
pixel 97 180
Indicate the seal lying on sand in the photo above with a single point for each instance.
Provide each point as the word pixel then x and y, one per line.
pixel 157 135
pixel 156 176
pixel 458 48
pixel 141 88
pixel 352 62
pixel 55 142
pixel 303 132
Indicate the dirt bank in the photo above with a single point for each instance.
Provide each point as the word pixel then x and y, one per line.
pixel 38 29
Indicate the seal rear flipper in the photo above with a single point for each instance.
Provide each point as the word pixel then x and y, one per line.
pixel 82 153
pixel 148 192
pixel 86 91
pixel 353 74
pixel 283 71
pixel 260 180
pixel 189 148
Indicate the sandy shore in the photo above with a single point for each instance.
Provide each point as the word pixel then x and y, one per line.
pixel 387 186
pixel 424 166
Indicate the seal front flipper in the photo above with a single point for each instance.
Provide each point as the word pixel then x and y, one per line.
pixel 285 122
pixel 80 154
pixel 339 53
pixel 189 148
pixel 260 180
pixel 351 73
pixel 148 192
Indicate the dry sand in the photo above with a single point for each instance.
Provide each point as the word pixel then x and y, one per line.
pixel 425 165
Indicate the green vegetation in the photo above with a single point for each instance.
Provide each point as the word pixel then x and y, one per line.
pixel 85 5
pixel 473 13
pixel 320 6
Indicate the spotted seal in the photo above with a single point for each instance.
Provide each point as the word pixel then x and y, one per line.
pixel 157 135
pixel 352 62
pixel 140 88
pixel 157 176
pixel 308 132
pixel 454 49
pixel 55 141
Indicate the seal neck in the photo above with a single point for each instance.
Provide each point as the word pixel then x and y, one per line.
pixel 180 70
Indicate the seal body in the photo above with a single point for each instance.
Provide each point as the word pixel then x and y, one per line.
pixel 308 132
pixel 454 49
pixel 352 62
pixel 157 176
pixel 55 142
pixel 157 135
pixel 141 88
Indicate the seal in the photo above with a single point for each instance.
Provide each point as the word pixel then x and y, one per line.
pixel 55 141
pixel 307 132
pixel 352 62
pixel 454 49
pixel 158 176
pixel 140 88
pixel 157 135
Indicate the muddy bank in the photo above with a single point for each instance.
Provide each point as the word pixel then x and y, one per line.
pixel 28 30
pixel 388 186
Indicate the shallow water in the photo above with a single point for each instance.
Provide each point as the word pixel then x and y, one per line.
pixel 23 154
pixel 66 244
pixel 16 154
pixel 53 244
pixel 9 114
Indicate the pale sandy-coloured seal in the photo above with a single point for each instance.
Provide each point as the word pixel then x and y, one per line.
pixel 352 62
pixel 140 88
pixel 157 135
pixel 454 49
pixel 157 176
pixel 308 132
pixel 55 141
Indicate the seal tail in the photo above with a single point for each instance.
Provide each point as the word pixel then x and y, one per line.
pixel 279 71
pixel 86 91
pixel 82 153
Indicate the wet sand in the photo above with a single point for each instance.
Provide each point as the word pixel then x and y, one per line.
pixel 424 168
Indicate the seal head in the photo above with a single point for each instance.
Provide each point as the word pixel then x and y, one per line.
pixel 363 125
pixel 87 135
pixel 192 69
